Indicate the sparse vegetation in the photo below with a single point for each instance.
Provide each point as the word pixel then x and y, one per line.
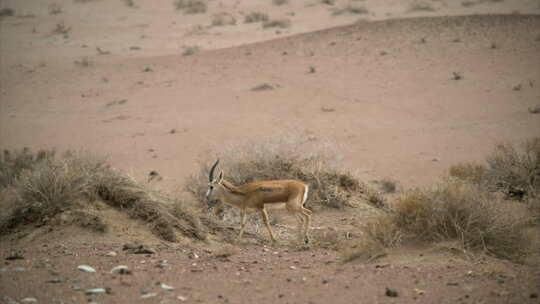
pixel 455 210
pixel 191 6
pixel 469 171
pixel 388 185
pixel 83 62
pixel 256 17
pixel 129 3
pixel 280 2
pixel 55 9
pixel 7 12
pixel 263 87
pixel 351 9
pixel 421 7
pixel 468 3
pixel 45 189
pixel 515 171
pixel 223 19
pixel 190 50
pixel 280 23
pixel 457 76
pixel 61 29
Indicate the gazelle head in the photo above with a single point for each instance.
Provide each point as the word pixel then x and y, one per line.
pixel 214 186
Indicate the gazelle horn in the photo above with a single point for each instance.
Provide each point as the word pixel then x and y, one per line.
pixel 211 176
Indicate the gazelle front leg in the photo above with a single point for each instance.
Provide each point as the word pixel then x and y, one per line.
pixel 264 216
pixel 242 224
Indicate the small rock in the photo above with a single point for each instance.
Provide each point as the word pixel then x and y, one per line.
pixel 29 300
pixel 292 267
pixel 166 287
pixel 86 268
pixel 181 298
pixel 163 265
pixel 390 292
pixel 54 281
pixel 121 269
pixel 110 254
pixel 419 291
pixel 95 291
pixel 148 295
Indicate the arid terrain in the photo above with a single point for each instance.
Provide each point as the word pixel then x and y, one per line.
pixel 400 90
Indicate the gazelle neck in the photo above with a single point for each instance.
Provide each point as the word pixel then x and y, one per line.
pixel 231 194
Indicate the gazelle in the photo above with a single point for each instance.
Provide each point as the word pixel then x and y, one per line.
pixel 258 194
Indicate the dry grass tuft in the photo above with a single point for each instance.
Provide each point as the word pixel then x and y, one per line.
pixel 222 19
pixel 455 210
pixel 280 23
pixel 191 6
pixel 256 17
pixel 470 172
pixel 515 171
pixel 44 188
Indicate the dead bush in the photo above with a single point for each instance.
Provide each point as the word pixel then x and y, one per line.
pixel 515 171
pixel 222 19
pixel 384 230
pixel 470 172
pixel 280 23
pixel 44 187
pixel 455 210
pixel 256 17
pixel 286 158
pixel 191 6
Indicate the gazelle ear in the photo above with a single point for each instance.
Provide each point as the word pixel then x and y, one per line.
pixel 220 176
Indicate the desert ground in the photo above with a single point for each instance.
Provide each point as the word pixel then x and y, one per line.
pixel 401 90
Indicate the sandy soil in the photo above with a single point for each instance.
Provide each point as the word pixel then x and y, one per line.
pixel 379 85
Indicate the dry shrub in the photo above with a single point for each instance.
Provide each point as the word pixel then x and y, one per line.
pixel 384 230
pixel 455 210
pixel 48 187
pixel 191 6
pixel 281 23
pixel 514 171
pixel 350 9
pixel 471 172
pixel 280 2
pixel 256 17
pixel 222 19
pixel 13 163
pixel 285 158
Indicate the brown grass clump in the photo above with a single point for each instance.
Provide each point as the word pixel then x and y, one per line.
pixel 280 23
pixel 286 158
pixel 516 171
pixel 191 6
pixel 471 172
pixel 455 210
pixel 45 189
pixel 256 17
pixel 222 19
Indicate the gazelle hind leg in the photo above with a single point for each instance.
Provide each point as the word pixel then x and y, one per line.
pixel 307 216
pixel 264 216
pixel 301 224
